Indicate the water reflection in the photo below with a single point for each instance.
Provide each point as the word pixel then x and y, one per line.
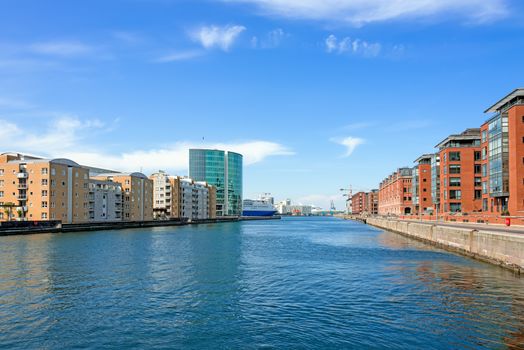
pixel 298 283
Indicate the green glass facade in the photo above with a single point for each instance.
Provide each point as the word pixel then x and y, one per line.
pixel 223 170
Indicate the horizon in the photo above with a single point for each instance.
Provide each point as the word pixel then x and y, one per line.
pixel 316 96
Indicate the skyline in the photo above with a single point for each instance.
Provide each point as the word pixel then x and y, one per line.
pixel 311 93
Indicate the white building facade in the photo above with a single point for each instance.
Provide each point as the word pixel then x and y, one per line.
pixel 105 201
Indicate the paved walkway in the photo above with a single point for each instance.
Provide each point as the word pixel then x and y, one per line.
pixel 475 226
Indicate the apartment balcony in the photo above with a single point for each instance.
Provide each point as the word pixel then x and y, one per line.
pixel 22 175
pixel 21 197
pixel 22 186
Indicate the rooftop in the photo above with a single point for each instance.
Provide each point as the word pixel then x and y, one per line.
pixel 426 156
pixel 506 101
pixel 467 135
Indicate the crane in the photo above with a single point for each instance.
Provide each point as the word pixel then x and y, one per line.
pixel 349 196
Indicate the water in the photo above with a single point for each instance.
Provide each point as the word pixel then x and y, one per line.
pixel 303 283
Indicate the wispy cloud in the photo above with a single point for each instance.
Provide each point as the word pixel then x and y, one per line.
pixel 220 37
pixel 350 142
pixel 360 12
pixel 271 40
pixel 180 56
pixel 69 137
pixel 359 125
pixel 352 46
pixel 321 200
pixel 61 48
pixel 405 125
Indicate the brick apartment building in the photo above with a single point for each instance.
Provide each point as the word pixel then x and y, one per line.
pixel 460 173
pixel 478 174
pixel 34 189
pixel 502 143
pixel 421 185
pixel 395 193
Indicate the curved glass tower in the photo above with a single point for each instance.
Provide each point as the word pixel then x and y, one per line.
pixel 223 170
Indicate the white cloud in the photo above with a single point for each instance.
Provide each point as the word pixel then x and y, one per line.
pixel 61 48
pixel 359 12
pixel 270 40
pixel 68 137
pixel 322 200
pixel 218 37
pixel 359 125
pixel 353 46
pixel 350 142
pixel 180 56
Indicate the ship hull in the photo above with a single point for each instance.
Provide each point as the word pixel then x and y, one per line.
pixel 258 212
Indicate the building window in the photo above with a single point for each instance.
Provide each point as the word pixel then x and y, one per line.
pixel 44 215
pixel 454 182
pixel 485 204
pixel 44 204
pixel 477 155
pixel 44 171
pixel 454 169
pixel 454 156
pixel 1 194
pixel 1 182
pixel 44 182
pixel 1 172
pixel 44 193
pixel 478 194
pixel 455 194
pixel 484 134
pixel 53 171
pixel 455 207
pixel 478 181
pixel 478 169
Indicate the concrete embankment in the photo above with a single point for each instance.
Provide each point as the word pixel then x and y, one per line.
pixel 503 249
pixel 121 225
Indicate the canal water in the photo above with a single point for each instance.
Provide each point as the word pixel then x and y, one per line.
pixel 298 283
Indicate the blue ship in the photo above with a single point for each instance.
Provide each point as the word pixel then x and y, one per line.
pixel 258 208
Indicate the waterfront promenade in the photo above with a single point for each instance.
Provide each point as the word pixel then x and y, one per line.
pixel 301 283
pixel 499 246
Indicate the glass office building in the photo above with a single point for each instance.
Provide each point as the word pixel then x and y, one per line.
pixel 223 170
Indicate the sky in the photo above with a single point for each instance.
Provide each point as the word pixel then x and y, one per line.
pixel 318 95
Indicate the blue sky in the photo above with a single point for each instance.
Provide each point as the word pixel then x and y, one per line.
pixel 318 95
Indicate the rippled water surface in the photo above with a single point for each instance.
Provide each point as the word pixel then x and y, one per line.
pixel 315 283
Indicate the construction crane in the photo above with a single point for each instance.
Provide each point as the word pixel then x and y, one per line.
pixel 349 196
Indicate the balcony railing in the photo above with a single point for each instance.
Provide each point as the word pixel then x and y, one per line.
pixel 22 186
pixel 21 197
pixel 22 175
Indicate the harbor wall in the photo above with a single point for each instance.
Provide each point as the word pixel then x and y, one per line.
pixel 58 227
pixel 503 249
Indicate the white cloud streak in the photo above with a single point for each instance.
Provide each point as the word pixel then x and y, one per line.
pixel 68 137
pixel 223 38
pixel 352 46
pixel 351 143
pixel 61 48
pixel 271 40
pixel 360 12
pixel 180 56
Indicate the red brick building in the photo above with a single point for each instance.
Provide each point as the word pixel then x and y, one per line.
pixel 395 193
pixel 502 137
pixel 460 173
pixel 365 203
pixel 421 185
